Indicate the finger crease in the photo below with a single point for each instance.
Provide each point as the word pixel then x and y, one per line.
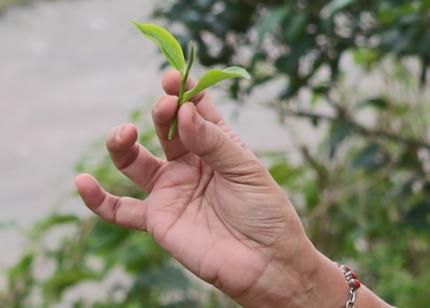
pixel 115 207
pixel 129 158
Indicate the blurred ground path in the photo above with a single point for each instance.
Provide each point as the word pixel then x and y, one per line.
pixel 70 70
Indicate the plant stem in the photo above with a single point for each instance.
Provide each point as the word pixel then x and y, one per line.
pixel 182 89
pixel 363 130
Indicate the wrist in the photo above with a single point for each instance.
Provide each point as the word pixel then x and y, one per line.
pixel 312 280
pixel 288 280
pixel 333 289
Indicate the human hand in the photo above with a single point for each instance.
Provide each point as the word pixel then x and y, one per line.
pixel 212 205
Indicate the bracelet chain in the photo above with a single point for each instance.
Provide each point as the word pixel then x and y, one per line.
pixel 353 283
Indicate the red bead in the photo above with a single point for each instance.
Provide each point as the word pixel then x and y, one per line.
pixel 356 283
pixel 353 275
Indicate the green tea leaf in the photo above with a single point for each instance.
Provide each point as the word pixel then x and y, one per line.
pixel 168 44
pixel 191 55
pixel 213 77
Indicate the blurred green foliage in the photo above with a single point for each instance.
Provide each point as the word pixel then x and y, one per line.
pixel 4 4
pixel 363 192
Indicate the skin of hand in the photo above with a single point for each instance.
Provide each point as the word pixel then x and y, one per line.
pixel 216 209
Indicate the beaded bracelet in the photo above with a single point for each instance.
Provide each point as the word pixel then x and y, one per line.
pixel 353 283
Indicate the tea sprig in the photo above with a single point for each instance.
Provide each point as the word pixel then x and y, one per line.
pixel 174 54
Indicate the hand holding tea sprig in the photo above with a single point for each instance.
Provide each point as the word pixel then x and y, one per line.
pixel 217 210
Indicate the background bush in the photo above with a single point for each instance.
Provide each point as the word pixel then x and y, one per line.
pixel 363 192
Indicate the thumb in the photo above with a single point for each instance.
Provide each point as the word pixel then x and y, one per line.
pixel 214 145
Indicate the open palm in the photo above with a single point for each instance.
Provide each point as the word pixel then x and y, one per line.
pixel 212 204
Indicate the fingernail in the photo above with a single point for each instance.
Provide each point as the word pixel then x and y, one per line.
pixel 157 107
pixel 120 133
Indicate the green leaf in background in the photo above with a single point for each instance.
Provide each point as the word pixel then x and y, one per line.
pixel 53 221
pixel 22 267
pixel 270 21
pixel 389 15
pixel 336 5
pixel 167 43
pixel 367 57
pixel 212 77
pixel 57 219
pixel 370 158
pixel 295 29
pixel 339 132
pixel 62 279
